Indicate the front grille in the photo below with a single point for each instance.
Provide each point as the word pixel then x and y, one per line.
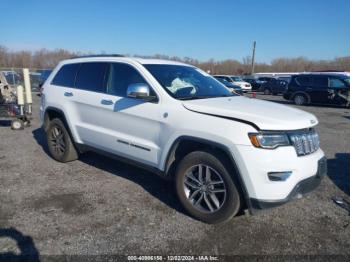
pixel 305 143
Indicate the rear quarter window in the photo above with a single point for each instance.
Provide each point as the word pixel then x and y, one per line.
pixel 66 75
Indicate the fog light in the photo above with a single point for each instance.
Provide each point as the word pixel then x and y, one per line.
pixel 279 176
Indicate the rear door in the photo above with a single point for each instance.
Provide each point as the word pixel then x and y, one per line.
pixel 319 89
pixel 90 86
pixel 61 94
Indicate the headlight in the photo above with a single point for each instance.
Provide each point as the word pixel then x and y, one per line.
pixel 269 141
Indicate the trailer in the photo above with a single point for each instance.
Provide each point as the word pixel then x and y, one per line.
pixel 12 107
pixel 12 111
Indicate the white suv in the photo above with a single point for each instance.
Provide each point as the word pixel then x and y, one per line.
pixel 236 80
pixel 224 152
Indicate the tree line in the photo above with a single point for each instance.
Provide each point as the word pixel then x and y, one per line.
pixel 46 59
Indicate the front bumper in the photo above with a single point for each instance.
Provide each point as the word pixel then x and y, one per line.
pixel 303 187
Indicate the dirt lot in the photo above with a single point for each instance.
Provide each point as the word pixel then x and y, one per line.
pixel 100 206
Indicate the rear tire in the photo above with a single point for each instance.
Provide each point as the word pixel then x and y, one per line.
pixel 206 189
pixel 59 142
pixel 299 99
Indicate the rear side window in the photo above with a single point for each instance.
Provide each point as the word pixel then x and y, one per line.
pixel 120 77
pixel 66 75
pixel 303 80
pixel 91 77
pixel 320 81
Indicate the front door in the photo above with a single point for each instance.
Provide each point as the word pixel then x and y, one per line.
pixel 115 123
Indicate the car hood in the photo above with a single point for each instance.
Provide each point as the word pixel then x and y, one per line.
pixel 261 114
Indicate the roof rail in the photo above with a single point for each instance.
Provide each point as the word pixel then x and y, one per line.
pixel 104 55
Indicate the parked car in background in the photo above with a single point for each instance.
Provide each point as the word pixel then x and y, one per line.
pixel 274 86
pixel 265 79
pixel 236 80
pixel 255 83
pixel 44 74
pixel 229 85
pixel 35 81
pixel 319 88
pixel 223 152
pixel 285 78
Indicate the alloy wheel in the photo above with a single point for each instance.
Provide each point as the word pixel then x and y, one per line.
pixel 299 100
pixel 204 188
pixel 57 140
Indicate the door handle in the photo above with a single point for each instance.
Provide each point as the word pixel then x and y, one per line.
pixel 68 94
pixel 106 102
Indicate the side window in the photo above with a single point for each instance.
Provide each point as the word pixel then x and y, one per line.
pixel 91 77
pixel 120 77
pixel 336 83
pixel 320 81
pixel 303 80
pixel 66 75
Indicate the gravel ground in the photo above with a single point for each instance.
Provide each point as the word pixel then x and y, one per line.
pixel 100 206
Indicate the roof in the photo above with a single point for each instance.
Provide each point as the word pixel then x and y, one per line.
pixel 325 74
pixel 117 58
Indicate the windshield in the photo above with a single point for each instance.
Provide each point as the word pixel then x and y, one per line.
pixel 185 82
pixel 236 79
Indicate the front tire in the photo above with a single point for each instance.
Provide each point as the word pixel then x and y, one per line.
pixel 267 91
pixel 59 142
pixel 206 189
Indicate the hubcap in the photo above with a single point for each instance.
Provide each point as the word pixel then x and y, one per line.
pixel 204 188
pixel 57 140
pixel 299 100
pixel 16 125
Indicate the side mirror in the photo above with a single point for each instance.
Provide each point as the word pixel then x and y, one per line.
pixel 139 90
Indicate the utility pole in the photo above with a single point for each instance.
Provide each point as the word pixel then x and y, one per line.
pixel 253 57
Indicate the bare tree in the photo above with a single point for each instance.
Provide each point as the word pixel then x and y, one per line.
pixel 45 58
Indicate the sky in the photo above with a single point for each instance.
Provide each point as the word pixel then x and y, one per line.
pixel 200 29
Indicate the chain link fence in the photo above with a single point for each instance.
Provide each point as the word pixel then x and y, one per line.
pixel 14 76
